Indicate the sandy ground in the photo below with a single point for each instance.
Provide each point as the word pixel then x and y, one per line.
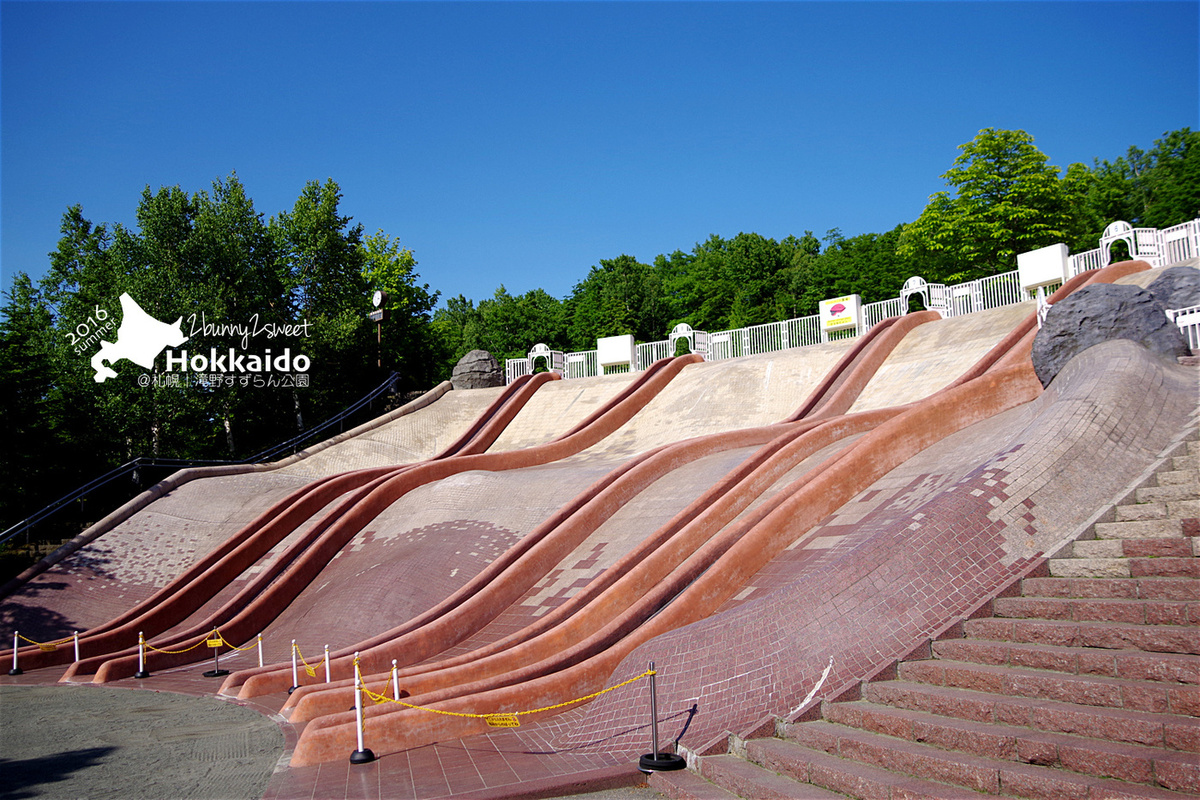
pixel 83 741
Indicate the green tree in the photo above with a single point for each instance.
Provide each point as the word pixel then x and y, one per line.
pixel 30 450
pixel 408 341
pixel 1006 200
pixel 508 326
pixel 620 296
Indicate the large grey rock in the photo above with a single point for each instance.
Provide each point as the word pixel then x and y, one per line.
pixel 478 369
pixel 1096 314
pixel 1177 287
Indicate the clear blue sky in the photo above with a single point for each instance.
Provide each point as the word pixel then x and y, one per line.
pixel 520 143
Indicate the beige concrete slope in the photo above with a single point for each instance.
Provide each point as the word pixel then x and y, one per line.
pixel 413 437
pixel 933 355
pixel 556 408
pixel 142 554
pixel 722 396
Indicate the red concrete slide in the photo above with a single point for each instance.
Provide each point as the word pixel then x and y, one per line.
pixel 547 669
pixel 200 582
pixel 251 609
pixel 477 603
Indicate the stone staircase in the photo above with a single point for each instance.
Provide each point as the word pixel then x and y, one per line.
pixel 1083 682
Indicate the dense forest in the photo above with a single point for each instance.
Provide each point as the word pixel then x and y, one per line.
pixel 304 276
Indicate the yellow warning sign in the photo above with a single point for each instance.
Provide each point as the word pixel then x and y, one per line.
pixel 502 720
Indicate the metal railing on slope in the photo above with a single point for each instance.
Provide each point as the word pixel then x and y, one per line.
pixel 141 462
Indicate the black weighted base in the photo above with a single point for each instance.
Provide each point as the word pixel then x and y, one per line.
pixel 292 689
pixel 362 756
pixel 661 762
pixel 142 674
pixel 216 673
pixel 16 671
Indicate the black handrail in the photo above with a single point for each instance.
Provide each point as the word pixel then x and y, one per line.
pixel 25 525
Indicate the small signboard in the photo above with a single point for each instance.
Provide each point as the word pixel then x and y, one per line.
pixel 614 350
pixel 839 313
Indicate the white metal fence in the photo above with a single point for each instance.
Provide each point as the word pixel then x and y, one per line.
pixel 1158 247
pixel 950 301
pixel 1188 320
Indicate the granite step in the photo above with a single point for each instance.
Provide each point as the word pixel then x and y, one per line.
pixel 1086 690
pixel 974 773
pixel 1142 612
pixel 687 785
pixel 1176 477
pixel 1089 568
pixel 1164 567
pixel 1104 635
pixel 1139 529
pixel 1129 588
pixel 847 776
pixel 1141 511
pixel 1136 665
pixel 1167 494
pixel 1176 547
pixel 1172 770
pixel 753 780
pixel 1169 731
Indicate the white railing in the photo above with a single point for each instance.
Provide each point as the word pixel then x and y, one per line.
pixel 875 313
pixel 516 367
pixel 1188 320
pixel 951 301
pixel 1156 247
pixel 1181 242
pixel 582 365
pixel 650 352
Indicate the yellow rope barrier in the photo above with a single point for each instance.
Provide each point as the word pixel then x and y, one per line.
pixel 311 670
pixel 226 642
pixel 502 719
pixel 47 647
pixel 212 640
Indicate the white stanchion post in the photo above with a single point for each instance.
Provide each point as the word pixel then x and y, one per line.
pixel 362 755
pixel 327 678
pixel 260 658
pixel 655 761
pixel 141 673
pixel 395 681
pixel 15 669
pixel 76 634
pixel 653 712
pixel 295 675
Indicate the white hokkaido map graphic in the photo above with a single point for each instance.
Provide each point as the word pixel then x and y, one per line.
pixel 139 339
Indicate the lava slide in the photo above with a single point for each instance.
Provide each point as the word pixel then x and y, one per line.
pixel 246 613
pixel 570 666
pixel 215 570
